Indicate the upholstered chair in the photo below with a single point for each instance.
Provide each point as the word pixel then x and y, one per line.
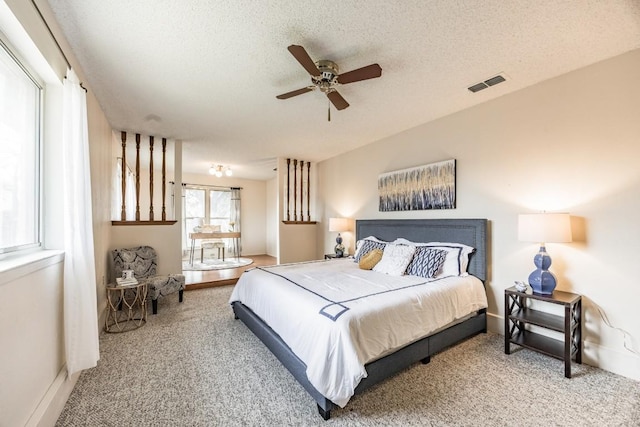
pixel 211 243
pixel 143 260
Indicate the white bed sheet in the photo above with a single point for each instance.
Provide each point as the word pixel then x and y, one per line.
pixel 336 317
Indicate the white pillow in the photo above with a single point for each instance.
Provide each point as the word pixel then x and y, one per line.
pixel 456 261
pixel 395 259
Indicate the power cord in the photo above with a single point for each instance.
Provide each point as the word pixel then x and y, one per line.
pixel 625 334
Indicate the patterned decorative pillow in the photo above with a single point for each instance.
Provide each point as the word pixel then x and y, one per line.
pixel 366 247
pixel 457 260
pixel 426 262
pixel 369 260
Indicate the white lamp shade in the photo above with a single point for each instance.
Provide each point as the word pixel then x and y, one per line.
pixel 544 227
pixel 339 224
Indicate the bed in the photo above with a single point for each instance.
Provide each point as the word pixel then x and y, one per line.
pixel 471 232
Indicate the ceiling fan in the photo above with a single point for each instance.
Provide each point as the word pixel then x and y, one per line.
pixel 325 76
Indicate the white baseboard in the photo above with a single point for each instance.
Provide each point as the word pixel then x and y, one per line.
pixel 621 362
pixel 495 323
pixel 52 404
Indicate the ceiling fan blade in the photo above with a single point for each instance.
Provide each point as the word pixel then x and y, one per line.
pixel 304 59
pixel 295 92
pixel 337 100
pixel 369 72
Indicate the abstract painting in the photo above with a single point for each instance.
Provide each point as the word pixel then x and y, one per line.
pixel 431 186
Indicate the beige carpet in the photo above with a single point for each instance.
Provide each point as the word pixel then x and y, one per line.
pixel 194 365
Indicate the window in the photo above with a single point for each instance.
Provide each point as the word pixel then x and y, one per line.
pixel 194 207
pixel 20 107
pixel 205 206
pixel 220 208
pixel 130 193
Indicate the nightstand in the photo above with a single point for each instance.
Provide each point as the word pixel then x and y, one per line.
pixel 333 256
pixel 518 316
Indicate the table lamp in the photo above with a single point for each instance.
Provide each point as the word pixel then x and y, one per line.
pixel 339 225
pixel 544 228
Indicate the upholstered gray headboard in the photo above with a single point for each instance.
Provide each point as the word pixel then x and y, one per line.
pixel 472 232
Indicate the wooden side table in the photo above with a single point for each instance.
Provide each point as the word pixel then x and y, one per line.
pixel 126 307
pixel 518 315
pixel 334 256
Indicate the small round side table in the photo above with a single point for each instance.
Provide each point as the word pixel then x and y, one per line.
pixel 126 307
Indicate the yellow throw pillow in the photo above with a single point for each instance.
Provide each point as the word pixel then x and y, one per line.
pixel 369 260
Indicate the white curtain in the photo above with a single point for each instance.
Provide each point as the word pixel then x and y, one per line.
pixel 80 304
pixel 116 194
pixel 234 216
pixel 186 243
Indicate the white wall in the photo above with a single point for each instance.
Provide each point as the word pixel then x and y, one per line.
pixel 271 218
pixel 297 243
pixel 165 239
pixel 569 144
pixel 32 337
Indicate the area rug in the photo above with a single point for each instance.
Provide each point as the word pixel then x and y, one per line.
pixel 215 264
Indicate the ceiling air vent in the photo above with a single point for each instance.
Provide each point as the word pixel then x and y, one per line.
pixel 494 80
pixel 485 84
pixel 477 87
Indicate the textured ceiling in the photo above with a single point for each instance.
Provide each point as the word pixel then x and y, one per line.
pixel 208 72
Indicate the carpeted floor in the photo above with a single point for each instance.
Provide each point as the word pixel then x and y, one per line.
pixel 194 365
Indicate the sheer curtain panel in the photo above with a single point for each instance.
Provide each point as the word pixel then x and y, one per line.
pixel 116 193
pixel 80 304
pixel 234 215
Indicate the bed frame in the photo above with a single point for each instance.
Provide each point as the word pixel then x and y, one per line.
pixel 472 232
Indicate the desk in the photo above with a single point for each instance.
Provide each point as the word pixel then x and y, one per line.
pixel 126 307
pixel 235 235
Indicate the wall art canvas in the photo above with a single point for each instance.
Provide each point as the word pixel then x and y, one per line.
pixel 431 186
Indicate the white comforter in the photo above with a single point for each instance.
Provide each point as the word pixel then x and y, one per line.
pixel 336 317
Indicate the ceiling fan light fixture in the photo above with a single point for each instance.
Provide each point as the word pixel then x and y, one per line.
pixel 212 170
pixel 228 172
